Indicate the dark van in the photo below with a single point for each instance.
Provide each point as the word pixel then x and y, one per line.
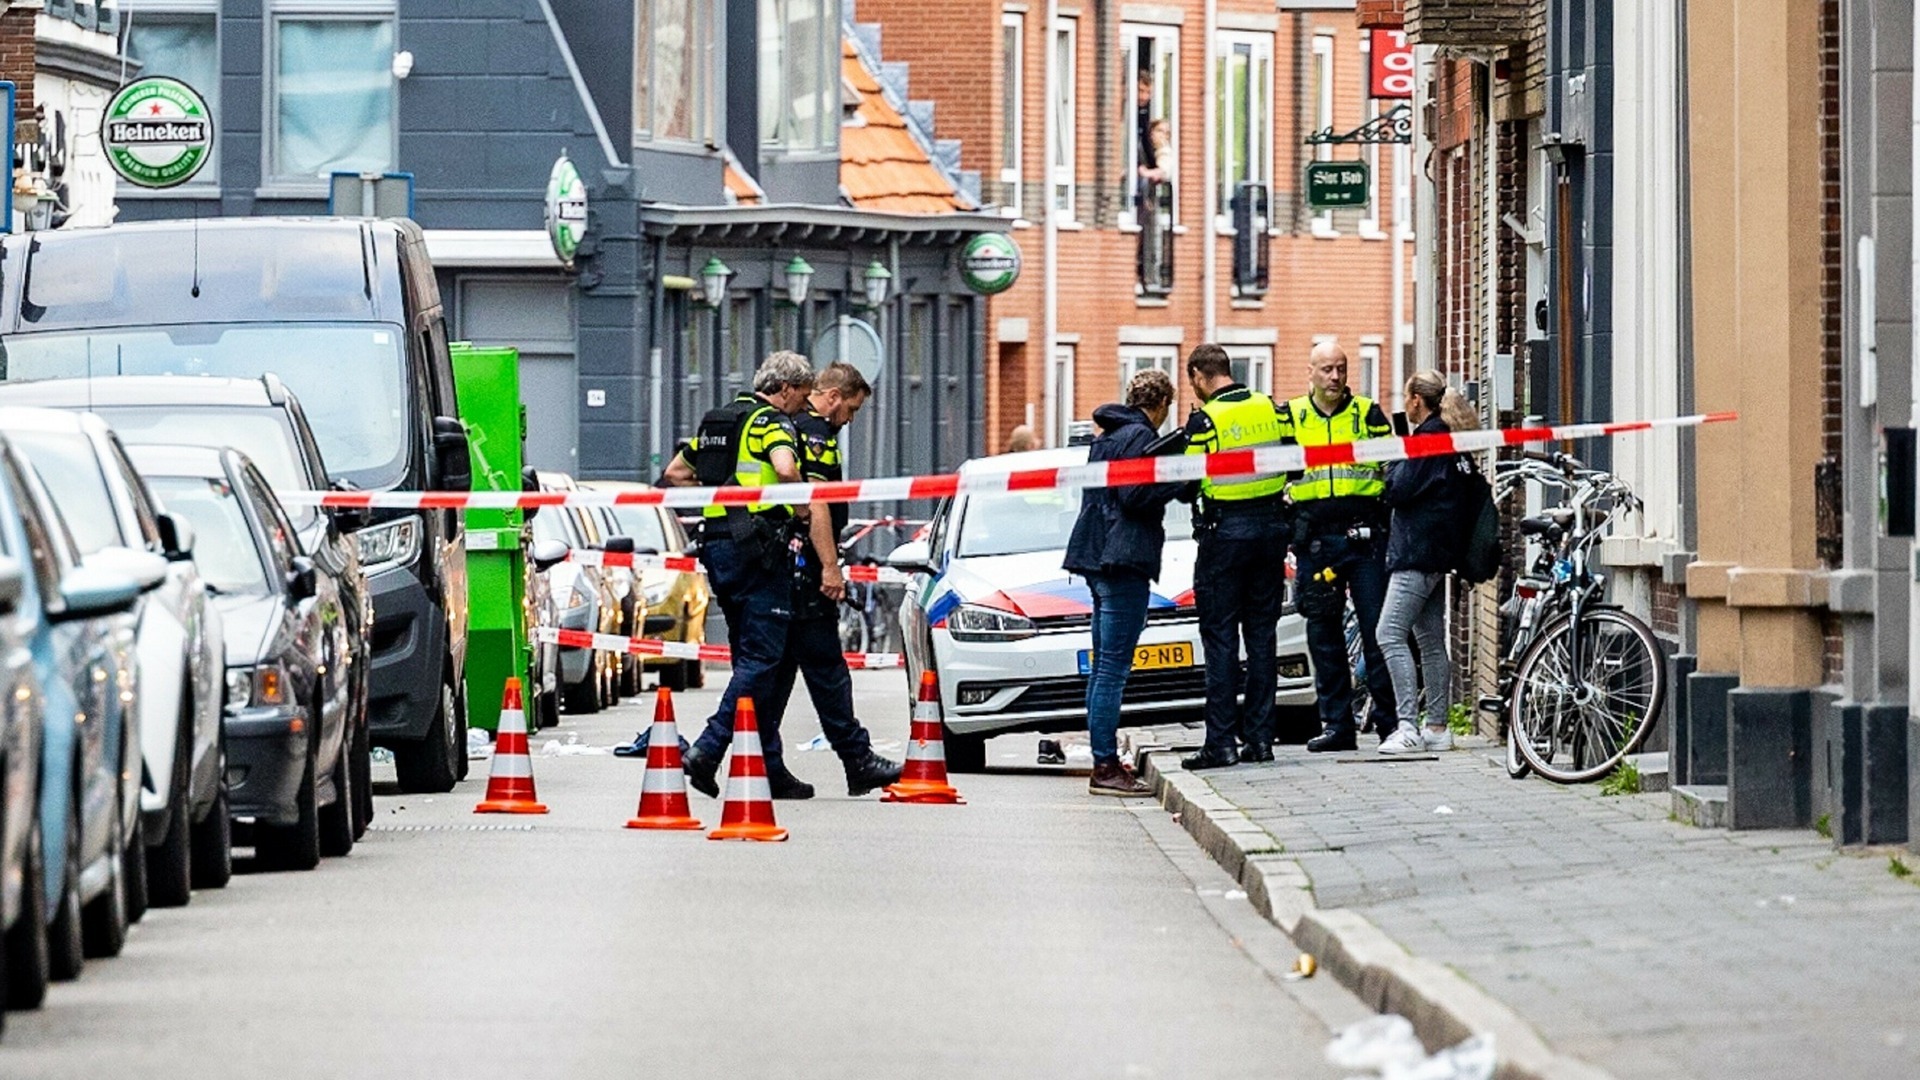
pixel 348 315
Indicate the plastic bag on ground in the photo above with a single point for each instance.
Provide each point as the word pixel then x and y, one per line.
pixel 818 742
pixel 479 746
pixel 1470 1059
pixel 570 746
pixel 1378 1042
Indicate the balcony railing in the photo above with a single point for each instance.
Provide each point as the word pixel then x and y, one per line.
pixel 1156 238
pixel 1251 216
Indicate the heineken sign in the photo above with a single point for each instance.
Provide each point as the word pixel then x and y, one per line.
pixel 157 132
pixel 566 209
pixel 990 263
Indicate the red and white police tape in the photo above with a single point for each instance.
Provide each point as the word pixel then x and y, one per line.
pixel 1227 464
pixel 682 650
pixel 686 564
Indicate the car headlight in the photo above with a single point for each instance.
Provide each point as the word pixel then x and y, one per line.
pixel 265 684
pixel 656 592
pixel 971 622
pixel 388 544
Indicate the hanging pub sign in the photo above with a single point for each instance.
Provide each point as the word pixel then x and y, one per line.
pixel 1338 185
pixel 990 263
pixel 1389 64
pixel 157 132
pixel 566 209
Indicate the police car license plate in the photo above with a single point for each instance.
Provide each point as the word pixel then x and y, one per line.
pixel 1176 654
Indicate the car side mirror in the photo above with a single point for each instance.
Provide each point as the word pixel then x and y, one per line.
pixel 11 585
pixel 89 592
pixel 146 569
pixel 547 554
pixel 619 545
pixel 914 557
pixel 452 454
pixel 303 581
pixel 176 537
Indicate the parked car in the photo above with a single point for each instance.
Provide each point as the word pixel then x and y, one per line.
pixel 1009 632
pixel 71 617
pixel 676 601
pixel 265 421
pixel 348 314
pixel 23 704
pixel 583 599
pixel 624 583
pixel 287 726
pixel 178 642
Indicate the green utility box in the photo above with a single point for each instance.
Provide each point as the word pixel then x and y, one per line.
pixel 487 381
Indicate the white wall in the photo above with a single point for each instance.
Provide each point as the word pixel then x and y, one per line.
pixel 88 177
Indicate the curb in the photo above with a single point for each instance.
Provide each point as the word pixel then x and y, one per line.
pixel 1442 1005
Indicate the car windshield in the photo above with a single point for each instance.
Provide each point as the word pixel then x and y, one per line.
pixel 223 547
pixel 350 378
pixel 263 434
pixel 643 524
pixel 67 465
pixel 550 524
pixel 1022 522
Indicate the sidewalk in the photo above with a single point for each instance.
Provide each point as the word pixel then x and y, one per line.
pixel 1628 942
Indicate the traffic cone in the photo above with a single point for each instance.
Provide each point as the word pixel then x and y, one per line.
pixel 924 779
pixel 510 784
pixel 748 813
pixel 663 791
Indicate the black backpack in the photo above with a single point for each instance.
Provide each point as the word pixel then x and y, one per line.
pixel 1480 529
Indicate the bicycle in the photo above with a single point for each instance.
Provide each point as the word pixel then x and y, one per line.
pixel 1581 679
pixel 869 611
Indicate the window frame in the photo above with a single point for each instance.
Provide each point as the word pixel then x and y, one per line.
pixel 273 182
pixel 780 140
pixel 1259 361
pixel 703 86
pixel 1369 356
pixel 1062 181
pixel 1166 92
pixel 1137 358
pixel 1322 81
pixel 1013 105
pixel 206 182
pixel 1060 392
pixel 1370 110
pixel 1258 155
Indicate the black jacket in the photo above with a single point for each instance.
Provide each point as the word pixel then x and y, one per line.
pixel 1121 529
pixel 1424 494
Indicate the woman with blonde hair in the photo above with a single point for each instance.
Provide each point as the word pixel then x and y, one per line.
pixel 1423 547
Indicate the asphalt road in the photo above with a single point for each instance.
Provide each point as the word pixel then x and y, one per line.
pixel 1035 931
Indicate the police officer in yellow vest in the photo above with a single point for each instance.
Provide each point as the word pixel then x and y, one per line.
pixel 1339 545
pixel 747 552
pixel 1239 525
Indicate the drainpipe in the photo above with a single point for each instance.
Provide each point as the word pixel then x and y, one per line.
pixel 656 312
pixel 1913 606
pixel 1050 247
pixel 1208 167
pixel 1425 220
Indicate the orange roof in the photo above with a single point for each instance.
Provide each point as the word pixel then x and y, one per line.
pixel 741 189
pixel 882 167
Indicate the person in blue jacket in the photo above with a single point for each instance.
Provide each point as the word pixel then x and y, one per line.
pixel 1115 545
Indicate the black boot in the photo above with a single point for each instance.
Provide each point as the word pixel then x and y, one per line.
pixel 870 772
pixel 1333 739
pixel 701 771
pixel 1210 759
pixel 785 785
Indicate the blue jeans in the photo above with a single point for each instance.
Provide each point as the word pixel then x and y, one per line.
pixel 1119 614
pixel 757 600
pixel 1416 612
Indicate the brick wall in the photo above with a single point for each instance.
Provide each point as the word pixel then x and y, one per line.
pixel 1520 88
pixel 17 64
pixel 1467 22
pixel 1666 610
pixel 1380 14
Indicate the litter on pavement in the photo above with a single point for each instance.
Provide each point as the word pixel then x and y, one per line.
pixel 1387 1046
pixel 570 746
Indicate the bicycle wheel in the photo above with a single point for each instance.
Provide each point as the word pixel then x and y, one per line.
pixel 853 629
pixel 1571 725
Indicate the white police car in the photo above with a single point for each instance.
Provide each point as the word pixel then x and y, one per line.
pixel 1008 632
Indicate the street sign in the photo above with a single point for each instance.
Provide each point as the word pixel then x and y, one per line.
pixel 990 263
pixel 1337 185
pixel 157 132
pixel 566 209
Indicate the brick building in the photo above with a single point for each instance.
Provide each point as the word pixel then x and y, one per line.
pixel 1125 269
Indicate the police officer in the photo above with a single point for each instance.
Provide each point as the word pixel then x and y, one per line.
pixel 747 554
pixel 1339 544
pixel 813 637
pixel 1235 587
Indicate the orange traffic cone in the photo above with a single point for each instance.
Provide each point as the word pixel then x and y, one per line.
pixel 924 779
pixel 748 813
pixel 663 791
pixel 510 784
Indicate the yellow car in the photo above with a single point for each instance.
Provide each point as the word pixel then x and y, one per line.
pixel 676 601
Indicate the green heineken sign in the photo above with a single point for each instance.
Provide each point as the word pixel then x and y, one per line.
pixel 566 209
pixel 157 132
pixel 990 263
pixel 1338 185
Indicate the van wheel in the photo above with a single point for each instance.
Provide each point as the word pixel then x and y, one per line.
pixel 213 840
pixel 27 960
pixel 336 820
pixel 673 676
pixel 66 953
pixel 134 862
pixel 295 846
pixel 584 696
pixel 362 767
pixel 432 765
pixel 170 862
pixel 965 753
pixel 103 927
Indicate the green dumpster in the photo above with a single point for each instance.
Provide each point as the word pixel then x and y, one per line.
pixel 487 381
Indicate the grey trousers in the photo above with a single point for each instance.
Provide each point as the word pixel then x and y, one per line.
pixel 1416 611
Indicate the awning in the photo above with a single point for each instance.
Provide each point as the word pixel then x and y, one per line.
pixel 500 249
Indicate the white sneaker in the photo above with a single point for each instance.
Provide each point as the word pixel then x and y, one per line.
pixel 1405 740
pixel 1438 738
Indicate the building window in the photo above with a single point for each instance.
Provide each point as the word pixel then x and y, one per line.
pixel 1135 359
pixel 1368 377
pixel 1252 366
pixel 182 40
pixel 1060 413
pixel 1322 103
pixel 673 70
pixel 1244 90
pixel 800 74
pixel 1150 63
pixel 1013 57
pixel 1065 97
pixel 331 104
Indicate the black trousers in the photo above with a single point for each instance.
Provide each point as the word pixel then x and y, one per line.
pixel 1358 570
pixel 1239 584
